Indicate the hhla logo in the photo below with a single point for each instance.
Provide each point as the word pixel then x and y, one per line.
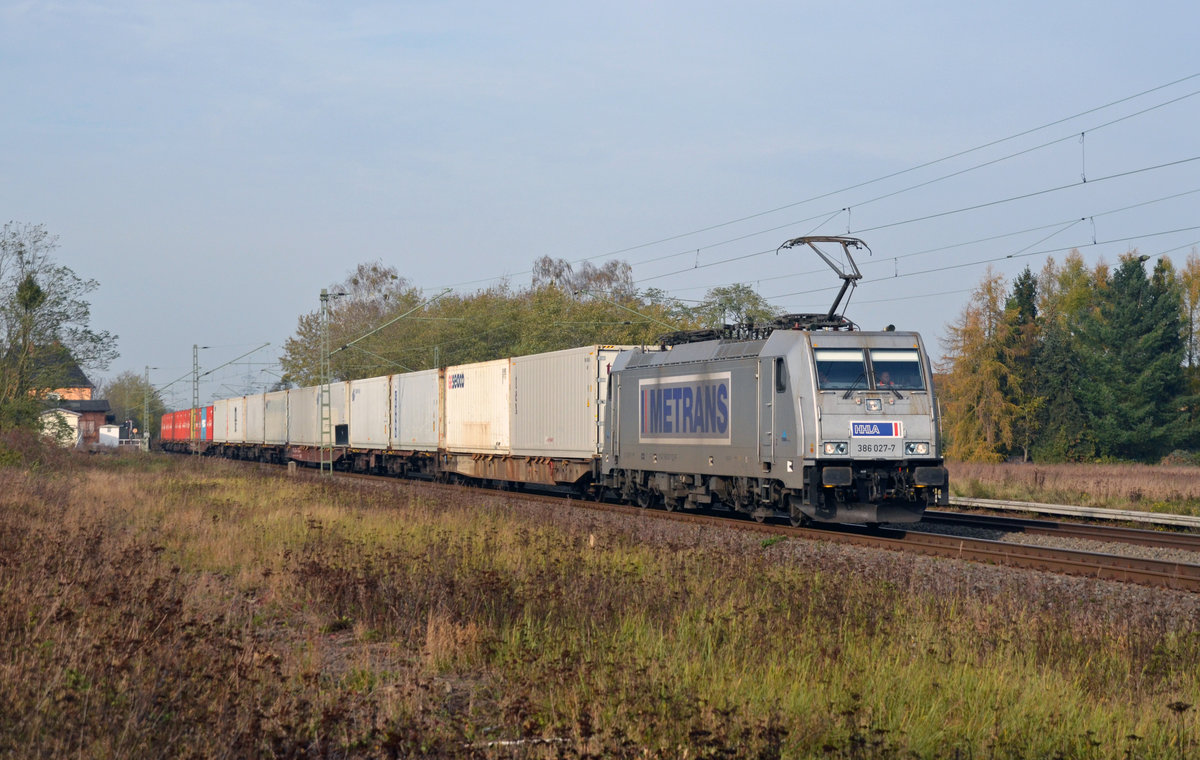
pixel 875 429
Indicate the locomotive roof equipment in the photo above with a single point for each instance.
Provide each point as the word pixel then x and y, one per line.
pixel 831 320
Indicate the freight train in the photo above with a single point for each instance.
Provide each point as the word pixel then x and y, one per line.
pixel 807 418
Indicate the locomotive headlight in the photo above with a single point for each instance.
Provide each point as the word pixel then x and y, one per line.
pixel 833 448
pixel 916 448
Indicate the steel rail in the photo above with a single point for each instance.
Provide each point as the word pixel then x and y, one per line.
pixel 1148 572
pixel 1095 513
pixel 1186 541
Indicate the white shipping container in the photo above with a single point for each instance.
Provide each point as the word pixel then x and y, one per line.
pixel 477 407
pixel 369 413
pixel 339 412
pixel 229 420
pixel 304 415
pixel 256 418
pixel 220 414
pixel 558 401
pixel 415 411
pixel 276 423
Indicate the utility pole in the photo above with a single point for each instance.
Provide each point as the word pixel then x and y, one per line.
pixel 326 393
pixel 146 413
pixel 196 396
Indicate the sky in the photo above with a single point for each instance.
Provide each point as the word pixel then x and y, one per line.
pixel 214 165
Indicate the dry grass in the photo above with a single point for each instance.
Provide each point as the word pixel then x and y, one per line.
pixel 197 609
pixel 1143 487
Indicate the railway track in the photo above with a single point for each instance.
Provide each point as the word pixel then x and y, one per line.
pixel 1186 541
pixel 1180 576
pixel 1149 572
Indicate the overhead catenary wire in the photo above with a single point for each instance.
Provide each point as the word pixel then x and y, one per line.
pixel 1019 255
pixel 1061 224
pixel 950 212
pixel 889 176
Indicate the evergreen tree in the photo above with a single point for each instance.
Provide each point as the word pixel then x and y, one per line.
pixel 1020 350
pixel 1133 347
pixel 1063 434
pixel 1066 297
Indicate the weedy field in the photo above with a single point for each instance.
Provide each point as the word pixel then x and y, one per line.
pixel 1143 487
pixel 175 607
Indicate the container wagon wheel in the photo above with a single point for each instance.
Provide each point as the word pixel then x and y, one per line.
pixel 797 518
pixel 645 497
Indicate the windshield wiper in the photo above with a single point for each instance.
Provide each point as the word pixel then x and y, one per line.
pixel 854 386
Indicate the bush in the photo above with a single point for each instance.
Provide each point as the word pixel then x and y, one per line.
pixel 24 448
pixel 1180 458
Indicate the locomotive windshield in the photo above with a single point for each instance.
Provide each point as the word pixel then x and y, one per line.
pixel 898 369
pixel 845 369
pixel 840 369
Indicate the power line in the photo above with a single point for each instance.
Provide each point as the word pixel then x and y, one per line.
pixel 964 209
pixel 1017 255
pixel 892 175
pixel 940 293
pixel 1061 226
pixel 1027 196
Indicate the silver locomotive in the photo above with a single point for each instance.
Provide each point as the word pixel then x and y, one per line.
pixel 807 418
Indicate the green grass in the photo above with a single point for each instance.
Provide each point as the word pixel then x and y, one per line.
pixel 147 611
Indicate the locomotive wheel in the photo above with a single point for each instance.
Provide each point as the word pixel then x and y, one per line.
pixel 797 518
pixel 670 504
pixel 645 498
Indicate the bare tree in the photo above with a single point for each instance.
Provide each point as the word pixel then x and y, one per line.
pixel 45 323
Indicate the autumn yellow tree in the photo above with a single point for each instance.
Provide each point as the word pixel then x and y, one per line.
pixel 1190 279
pixel 979 413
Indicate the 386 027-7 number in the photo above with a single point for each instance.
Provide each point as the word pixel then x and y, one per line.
pixel 874 448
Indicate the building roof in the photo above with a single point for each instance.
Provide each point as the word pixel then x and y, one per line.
pixel 58 359
pixel 99 405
